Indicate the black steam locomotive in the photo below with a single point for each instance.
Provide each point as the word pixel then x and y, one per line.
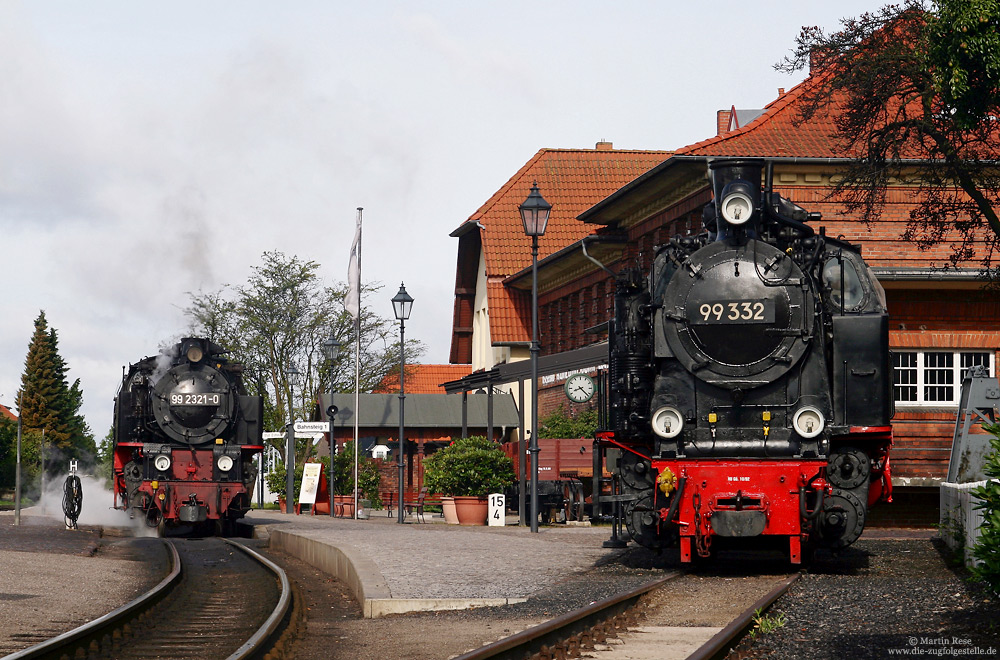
pixel 185 435
pixel 749 384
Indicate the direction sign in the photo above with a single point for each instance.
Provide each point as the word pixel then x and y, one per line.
pixel 312 427
pixel 272 435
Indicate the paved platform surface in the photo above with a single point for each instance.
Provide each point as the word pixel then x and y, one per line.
pixel 395 568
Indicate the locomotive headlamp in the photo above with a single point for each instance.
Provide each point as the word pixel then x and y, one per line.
pixel 667 422
pixel 225 463
pixel 194 353
pixel 808 422
pixel 162 462
pixel 737 204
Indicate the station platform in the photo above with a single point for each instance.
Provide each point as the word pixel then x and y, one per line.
pixel 394 568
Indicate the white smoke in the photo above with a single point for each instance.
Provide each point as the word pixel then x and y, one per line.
pixel 98 506
pixel 163 362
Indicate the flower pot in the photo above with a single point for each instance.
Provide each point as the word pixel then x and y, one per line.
pixel 281 504
pixel 448 509
pixel 471 510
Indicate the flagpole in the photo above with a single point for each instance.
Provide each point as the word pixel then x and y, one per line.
pixel 357 366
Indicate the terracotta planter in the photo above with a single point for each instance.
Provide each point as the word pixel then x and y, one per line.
pixel 471 510
pixel 281 504
pixel 448 509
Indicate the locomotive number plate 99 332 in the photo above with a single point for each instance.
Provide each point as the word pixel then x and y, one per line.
pixel 732 311
pixel 204 399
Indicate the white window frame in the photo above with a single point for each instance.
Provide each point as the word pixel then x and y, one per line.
pixel 921 370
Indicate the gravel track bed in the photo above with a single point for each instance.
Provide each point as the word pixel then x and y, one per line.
pixel 878 599
pixel 883 599
pixel 53 579
pixel 872 598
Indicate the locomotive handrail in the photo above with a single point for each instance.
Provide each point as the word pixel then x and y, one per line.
pixel 56 646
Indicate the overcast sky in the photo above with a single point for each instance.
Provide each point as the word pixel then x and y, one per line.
pixel 152 149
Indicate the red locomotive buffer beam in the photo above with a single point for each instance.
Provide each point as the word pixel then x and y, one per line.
pixel 735 498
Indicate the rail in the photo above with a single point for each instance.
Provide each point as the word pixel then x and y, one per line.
pixel 94 631
pixel 99 636
pixel 727 638
pixel 567 630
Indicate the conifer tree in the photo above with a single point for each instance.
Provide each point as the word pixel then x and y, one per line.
pixel 48 403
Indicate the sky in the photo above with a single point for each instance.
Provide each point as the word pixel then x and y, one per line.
pixel 151 150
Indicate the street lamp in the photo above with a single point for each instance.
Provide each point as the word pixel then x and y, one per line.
pixel 291 373
pixel 534 216
pixel 331 349
pixel 402 302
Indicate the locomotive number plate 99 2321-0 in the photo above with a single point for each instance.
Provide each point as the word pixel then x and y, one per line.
pixel 203 399
pixel 732 311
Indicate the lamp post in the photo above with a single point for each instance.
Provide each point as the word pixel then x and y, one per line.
pixel 331 349
pixel 534 216
pixel 17 468
pixel 402 302
pixel 291 373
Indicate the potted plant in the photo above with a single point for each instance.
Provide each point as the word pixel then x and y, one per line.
pixel 276 483
pixel 468 470
pixel 343 476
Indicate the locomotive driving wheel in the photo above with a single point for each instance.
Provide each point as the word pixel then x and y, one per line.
pixel 848 468
pixel 843 519
pixel 573 496
pixel 642 521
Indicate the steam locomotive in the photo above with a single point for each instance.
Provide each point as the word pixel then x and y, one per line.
pixel 185 435
pixel 749 380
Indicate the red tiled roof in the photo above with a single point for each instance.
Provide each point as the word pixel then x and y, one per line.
pixel 775 133
pixel 5 412
pixel 572 180
pixel 424 378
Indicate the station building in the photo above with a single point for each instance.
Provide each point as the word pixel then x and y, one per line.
pixel 620 204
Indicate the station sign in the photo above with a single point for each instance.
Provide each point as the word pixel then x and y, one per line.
pixel 312 427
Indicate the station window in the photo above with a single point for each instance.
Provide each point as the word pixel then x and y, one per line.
pixel 934 378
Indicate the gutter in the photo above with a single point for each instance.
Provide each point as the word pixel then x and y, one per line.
pixel 611 239
pixel 925 274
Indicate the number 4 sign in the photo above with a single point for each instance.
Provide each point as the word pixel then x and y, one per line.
pixel 497 510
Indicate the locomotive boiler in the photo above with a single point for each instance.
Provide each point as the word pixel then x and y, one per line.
pixel 185 436
pixel 749 380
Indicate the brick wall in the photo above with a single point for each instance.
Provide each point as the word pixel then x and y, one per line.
pixel 915 507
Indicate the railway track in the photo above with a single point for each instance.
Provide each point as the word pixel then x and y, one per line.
pixel 588 628
pixel 220 600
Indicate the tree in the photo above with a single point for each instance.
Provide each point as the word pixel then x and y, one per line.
pixel 913 90
pixel 560 425
pixel 8 449
pixel 987 546
pixel 280 319
pixel 48 404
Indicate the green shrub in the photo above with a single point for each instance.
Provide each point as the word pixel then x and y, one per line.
pixel 561 425
pixel 343 475
pixel 276 481
pixel 472 466
pixel 987 547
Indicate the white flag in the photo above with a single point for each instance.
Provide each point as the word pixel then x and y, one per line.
pixel 352 303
